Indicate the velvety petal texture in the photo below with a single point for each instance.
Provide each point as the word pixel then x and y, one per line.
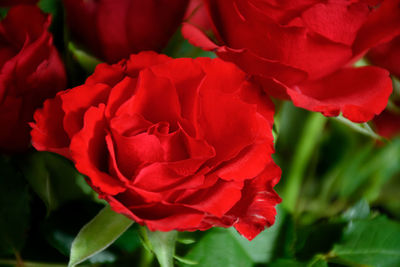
pixel 299 50
pixel 30 71
pixel 113 29
pixel 174 144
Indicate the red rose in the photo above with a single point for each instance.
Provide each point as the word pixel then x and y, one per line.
pixel 114 29
pixel 7 3
pixel 388 124
pixel 387 56
pixel 198 15
pixel 179 144
pixel 303 49
pixel 31 71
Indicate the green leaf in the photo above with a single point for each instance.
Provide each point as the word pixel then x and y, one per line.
pixel 14 207
pixel 54 179
pixel 3 12
pixel 85 60
pixel 128 241
pixel 317 261
pixel 97 235
pixel 180 47
pixel 219 248
pixel 186 241
pixel 317 239
pixel 287 263
pixel 163 246
pixel 358 212
pixel 185 261
pixel 228 248
pixel 50 6
pixel 373 242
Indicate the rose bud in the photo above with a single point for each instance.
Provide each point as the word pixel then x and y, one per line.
pixel 303 50
pixel 174 144
pixel 31 71
pixel 114 29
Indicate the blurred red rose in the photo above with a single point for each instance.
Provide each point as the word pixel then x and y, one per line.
pixel 179 144
pixel 7 3
pixel 388 124
pixel 113 29
pixel 387 56
pixel 31 71
pixel 303 50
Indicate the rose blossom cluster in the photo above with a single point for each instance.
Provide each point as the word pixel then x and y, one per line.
pixel 185 144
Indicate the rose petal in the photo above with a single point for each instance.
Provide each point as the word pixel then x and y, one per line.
pixel 387 56
pixel 186 81
pixel 143 60
pixel 89 152
pixel 48 132
pixel 359 93
pixel 227 125
pixel 151 23
pixel 216 200
pixel 122 91
pixel 76 101
pixel 256 209
pixel 387 124
pixel 108 74
pixel 337 21
pixel 381 26
pixel 156 100
pixel 164 217
pixel 134 152
pixel 113 36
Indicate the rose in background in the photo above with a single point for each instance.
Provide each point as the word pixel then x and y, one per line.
pixel 179 144
pixel 197 14
pixel 7 3
pixel 31 71
pixel 303 50
pixel 388 124
pixel 114 29
pixel 387 56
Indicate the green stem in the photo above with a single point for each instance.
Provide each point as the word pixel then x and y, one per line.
pixel 304 150
pixel 162 244
pixel 146 258
pixel 364 129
